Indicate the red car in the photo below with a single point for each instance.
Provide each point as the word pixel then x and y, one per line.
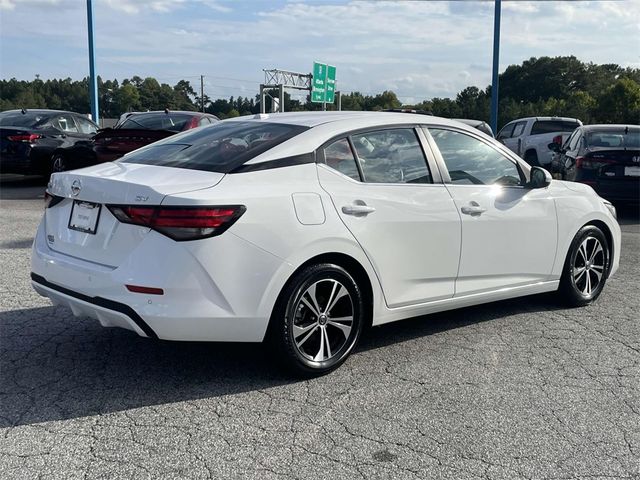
pixel 134 131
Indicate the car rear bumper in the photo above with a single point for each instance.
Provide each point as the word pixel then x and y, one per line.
pixel 619 190
pixel 199 303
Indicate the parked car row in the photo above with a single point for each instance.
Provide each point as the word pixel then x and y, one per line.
pixel 605 157
pixel 39 142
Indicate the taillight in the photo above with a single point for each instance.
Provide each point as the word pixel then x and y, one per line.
pixel 587 163
pixel 180 223
pixel 29 137
pixel 557 139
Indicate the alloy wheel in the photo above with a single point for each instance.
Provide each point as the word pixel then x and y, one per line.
pixel 588 266
pixel 324 318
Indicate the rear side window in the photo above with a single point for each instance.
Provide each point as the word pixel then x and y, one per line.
pixel 220 148
pixel 553 126
pixel 339 156
pixel 391 156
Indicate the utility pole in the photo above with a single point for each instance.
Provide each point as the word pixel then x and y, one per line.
pixel 202 92
pixel 496 62
pixel 93 80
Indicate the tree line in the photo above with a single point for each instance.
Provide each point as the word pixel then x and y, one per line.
pixel 562 86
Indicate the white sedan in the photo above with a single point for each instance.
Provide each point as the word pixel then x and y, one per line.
pixel 304 228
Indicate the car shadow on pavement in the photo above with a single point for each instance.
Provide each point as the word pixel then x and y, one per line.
pixel 56 367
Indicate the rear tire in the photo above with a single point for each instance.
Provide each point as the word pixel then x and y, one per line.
pixel 585 268
pixel 531 157
pixel 58 163
pixel 317 320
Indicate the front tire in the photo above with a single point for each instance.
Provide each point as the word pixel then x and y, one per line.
pixel 318 319
pixel 586 268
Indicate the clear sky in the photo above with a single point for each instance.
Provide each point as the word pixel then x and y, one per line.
pixel 418 49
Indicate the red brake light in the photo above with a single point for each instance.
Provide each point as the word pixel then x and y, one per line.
pixel 29 137
pixel 557 139
pixel 181 223
pixel 588 163
pixel 147 290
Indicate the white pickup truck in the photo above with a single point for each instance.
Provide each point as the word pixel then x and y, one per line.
pixel 530 137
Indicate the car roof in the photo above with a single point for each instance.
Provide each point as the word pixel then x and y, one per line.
pixel 41 110
pixel 544 119
pixel 187 112
pixel 353 119
pixel 325 126
pixel 588 128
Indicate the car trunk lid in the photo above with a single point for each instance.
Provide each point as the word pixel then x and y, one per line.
pixel 615 163
pixel 87 192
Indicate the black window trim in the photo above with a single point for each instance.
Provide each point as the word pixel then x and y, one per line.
pixel 524 173
pixel 430 161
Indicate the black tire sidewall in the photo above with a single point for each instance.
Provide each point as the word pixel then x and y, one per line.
pixel 53 163
pixel 285 316
pixel 568 287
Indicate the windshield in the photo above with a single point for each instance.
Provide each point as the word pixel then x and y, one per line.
pixel 19 119
pixel 615 139
pixel 175 122
pixel 217 148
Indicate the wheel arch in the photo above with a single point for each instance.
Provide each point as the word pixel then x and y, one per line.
pixel 607 234
pixel 350 264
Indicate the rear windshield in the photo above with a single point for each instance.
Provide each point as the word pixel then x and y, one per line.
pixel 28 119
pixel 614 139
pixel 553 126
pixel 175 122
pixel 217 148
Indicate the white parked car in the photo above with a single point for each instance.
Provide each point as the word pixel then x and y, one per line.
pixel 303 228
pixel 530 137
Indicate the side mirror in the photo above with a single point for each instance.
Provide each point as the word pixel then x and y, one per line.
pixel 553 146
pixel 540 178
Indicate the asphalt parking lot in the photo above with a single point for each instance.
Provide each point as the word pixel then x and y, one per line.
pixel 516 389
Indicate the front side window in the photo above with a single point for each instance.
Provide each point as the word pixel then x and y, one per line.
pixel 472 162
pixel 85 126
pixel 391 156
pixel 339 156
pixel 506 131
pixel 221 148
pixel 66 124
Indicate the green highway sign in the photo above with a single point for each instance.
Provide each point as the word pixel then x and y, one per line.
pixel 323 86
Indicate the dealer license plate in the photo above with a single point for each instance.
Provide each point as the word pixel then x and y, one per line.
pixel 632 171
pixel 84 216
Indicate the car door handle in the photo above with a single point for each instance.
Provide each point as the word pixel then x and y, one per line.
pixel 358 210
pixel 473 209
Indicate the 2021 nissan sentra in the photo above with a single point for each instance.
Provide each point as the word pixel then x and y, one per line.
pixel 303 228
